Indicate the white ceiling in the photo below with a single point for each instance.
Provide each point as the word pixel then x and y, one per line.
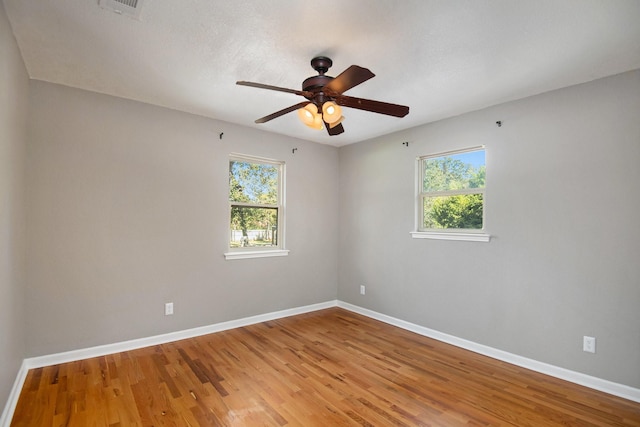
pixel 440 57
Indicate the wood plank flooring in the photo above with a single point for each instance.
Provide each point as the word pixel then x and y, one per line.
pixel 326 368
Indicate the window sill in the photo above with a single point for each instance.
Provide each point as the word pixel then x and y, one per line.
pixel 255 254
pixel 443 235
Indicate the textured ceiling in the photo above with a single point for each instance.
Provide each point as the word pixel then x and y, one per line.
pixel 441 58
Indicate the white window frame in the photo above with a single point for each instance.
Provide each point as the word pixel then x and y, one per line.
pixel 470 235
pixel 273 251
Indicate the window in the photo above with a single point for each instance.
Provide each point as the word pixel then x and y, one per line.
pixel 450 202
pixel 256 207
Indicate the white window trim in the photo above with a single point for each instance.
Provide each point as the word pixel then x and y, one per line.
pixel 247 253
pixel 256 254
pixel 458 235
pixel 450 235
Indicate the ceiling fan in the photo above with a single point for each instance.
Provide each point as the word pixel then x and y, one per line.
pixel 324 96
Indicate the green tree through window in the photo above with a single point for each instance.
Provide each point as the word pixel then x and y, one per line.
pixel 255 202
pixel 452 193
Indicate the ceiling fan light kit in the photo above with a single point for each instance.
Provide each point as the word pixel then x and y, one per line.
pixel 325 97
pixel 309 116
pixel 332 113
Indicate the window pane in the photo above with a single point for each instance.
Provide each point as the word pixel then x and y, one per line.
pixel 461 211
pixel 454 172
pixel 253 182
pixel 253 227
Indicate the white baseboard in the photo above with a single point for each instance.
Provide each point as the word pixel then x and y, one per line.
pixel 72 356
pixel 14 395
pixel 609 387
pixel 595 383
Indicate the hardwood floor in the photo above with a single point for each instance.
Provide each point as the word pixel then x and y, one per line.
pixel 326 368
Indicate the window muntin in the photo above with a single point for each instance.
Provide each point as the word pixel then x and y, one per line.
pixel 255 203
pixel 451 191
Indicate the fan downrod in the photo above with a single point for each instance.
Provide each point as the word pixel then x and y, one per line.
pixel 321 64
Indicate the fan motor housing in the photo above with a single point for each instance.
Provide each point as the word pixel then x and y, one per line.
pixel 314 83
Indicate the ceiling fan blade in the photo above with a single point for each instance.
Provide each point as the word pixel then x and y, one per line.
pixel 279 89
pixel 281 112
pixel 336 130
pixel 373 106
pixel 349 78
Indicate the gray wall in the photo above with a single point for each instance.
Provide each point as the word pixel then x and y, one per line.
pixel 128 209
pixel 14 92
pixel 562 205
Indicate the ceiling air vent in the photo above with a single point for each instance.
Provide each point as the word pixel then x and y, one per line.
pixel 123 7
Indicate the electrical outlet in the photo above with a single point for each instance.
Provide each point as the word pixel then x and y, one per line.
pixel 168 309
pixel 362 290
pixel 589 344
